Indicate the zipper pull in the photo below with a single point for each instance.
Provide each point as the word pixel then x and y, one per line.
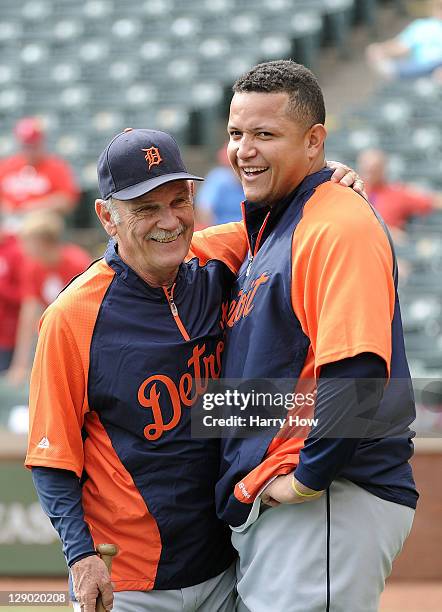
pixel 173 307
pixel 249 264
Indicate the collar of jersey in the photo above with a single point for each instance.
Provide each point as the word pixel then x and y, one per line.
pixel 309 183
pixel 137 285
pixel 256 213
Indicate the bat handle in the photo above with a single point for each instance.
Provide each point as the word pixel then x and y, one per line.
pixel 106 552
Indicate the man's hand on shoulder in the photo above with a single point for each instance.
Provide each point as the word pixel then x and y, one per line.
pixel 346 176
pixel 282 491
pixel 91 578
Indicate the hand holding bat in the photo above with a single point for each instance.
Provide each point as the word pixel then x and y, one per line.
pixel 106 552
pixel 92 582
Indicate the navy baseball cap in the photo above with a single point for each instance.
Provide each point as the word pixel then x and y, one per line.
pixel 138 161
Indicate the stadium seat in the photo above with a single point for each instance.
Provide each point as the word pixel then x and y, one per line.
pixel 97 9
pixel 164 63
pixel 137 95
pixel 7 75
pixel 7 145
pixel 67 72
pixel 157 8
pixel 10 32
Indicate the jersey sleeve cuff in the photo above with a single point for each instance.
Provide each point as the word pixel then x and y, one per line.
pixel 310 479
pixel 90 553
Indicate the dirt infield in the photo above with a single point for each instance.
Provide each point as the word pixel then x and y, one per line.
pixel 398 596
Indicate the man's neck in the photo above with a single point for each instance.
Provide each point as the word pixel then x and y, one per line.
pixel 158 280
pixel 316 167
pixel 155 278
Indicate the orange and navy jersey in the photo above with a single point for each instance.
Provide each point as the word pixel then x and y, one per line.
pixel 317 288
pixel 118 367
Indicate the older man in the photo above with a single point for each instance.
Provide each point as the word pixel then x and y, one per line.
pixel 123 354
pixel 114 378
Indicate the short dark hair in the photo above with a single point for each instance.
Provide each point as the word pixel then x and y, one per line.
pixel 306 102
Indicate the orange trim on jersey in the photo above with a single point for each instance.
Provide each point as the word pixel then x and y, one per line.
pixel 174 311
pixel 116 512
pixel 342 310
pixel 227 243
pixel 280 462
pixel 342 286
pixel 282 455
pixel 114 508
pixel 243 212
pixel 260 233
pixel 58 391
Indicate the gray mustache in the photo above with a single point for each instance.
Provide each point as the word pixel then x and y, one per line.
pixel 165 235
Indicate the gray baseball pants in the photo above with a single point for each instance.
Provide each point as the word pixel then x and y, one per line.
pixel 329 555
pixel 217 594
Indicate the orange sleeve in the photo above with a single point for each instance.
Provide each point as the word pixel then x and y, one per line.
pixel 342 288
pixel 57 400
pixel 226 242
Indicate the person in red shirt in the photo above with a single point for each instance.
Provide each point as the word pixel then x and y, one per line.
pixel 11 258
pixel 396 202
pixel 49 265
pixel 34 179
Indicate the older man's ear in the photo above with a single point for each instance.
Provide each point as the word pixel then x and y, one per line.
pixel 105 216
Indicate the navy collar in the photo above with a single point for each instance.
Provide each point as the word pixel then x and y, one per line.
pixel 313 180
pixel 135 282
pixel 309 183
pixel 254 214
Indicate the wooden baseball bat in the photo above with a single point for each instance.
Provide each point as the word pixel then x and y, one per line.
pixel 106 552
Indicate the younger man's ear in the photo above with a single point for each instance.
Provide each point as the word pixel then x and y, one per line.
pixel 316 138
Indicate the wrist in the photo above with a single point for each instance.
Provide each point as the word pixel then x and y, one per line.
pixel 302 490
pixel 83 556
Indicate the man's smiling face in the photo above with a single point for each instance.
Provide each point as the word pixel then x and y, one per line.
pixel 154 231
pixel 268 149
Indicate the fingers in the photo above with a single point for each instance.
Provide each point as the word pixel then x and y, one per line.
pixel 339 171
pixel 349 178
pixel 269 501
pixel 339 174
pixel 88 606
pixel 107 596
pixel 352 179
pixel 90 577
pixel 359 187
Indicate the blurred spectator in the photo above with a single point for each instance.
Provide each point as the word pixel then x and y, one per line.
pixel 396 202
pixel 33 179
pixel 415 52
pixel 219 198
pixel 48 267
pixel 11 259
